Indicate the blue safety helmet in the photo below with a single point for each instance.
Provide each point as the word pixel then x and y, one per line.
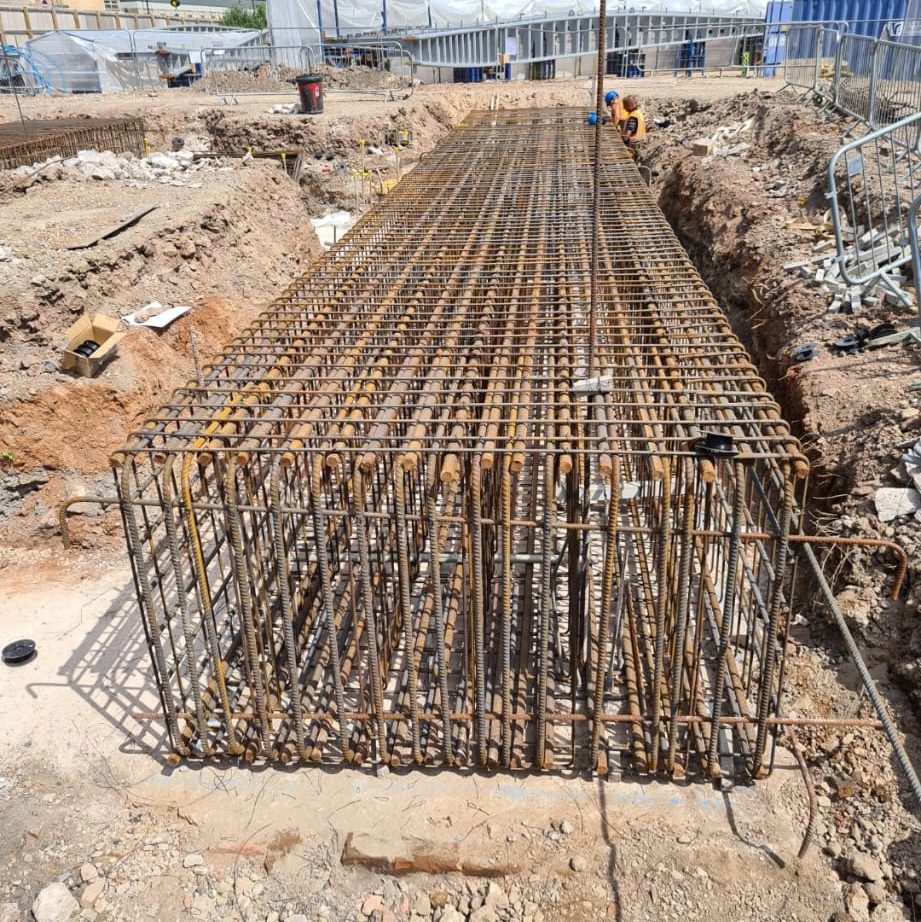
pixel 592 118
pixel 610 96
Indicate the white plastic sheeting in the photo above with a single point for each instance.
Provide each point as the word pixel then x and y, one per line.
pixel 299 21
pixel 113 60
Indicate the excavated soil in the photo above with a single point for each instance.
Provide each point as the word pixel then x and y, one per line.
pixel 742 217
pixel 223 249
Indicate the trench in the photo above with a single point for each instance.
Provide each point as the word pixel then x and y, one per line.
pixel 734 288
pixel 757 321
pixel 759 324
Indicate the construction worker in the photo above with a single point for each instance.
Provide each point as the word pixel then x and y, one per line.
pixel 616 108
pixel 634 129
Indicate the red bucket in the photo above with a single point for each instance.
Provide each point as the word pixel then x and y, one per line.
pixel 310 89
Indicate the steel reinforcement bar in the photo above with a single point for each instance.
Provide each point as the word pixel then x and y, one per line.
pixel 25 143
pixel 399 520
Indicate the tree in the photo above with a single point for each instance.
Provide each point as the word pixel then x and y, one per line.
pixel 241 18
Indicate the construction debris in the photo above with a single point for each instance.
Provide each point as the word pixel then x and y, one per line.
pixel 851 298
pixel 805 353
pixel 29 142
pixel 177 168
pixel 715 144
pixel 895 502
pixel 703 147
pixel 91 343
pixel 156 315
pixel 333 226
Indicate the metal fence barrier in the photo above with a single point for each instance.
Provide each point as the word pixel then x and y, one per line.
pixel 372 68
pixel 855 73
pixel 872 184
pixel 898 83
pixel 255 68
pixel 873 80
pixel 827 51
pixel 915 250
pixel 801 57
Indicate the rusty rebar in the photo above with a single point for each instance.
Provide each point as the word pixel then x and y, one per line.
pixel 435 508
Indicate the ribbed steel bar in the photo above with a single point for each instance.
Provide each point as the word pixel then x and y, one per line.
pixel 433 508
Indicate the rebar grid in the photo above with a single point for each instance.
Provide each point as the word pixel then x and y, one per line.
pixel 25 143
pixel 396 521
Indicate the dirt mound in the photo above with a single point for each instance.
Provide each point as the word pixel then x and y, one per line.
pixel 428 118
pixel 224 250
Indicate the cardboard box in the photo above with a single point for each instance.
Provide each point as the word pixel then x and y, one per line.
pixel 100 329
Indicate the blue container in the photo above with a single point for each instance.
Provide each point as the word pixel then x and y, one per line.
pixel 779 11
pixel 864 17
pixel 468 74
pixel 855 21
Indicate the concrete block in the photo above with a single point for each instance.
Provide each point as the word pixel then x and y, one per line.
pixel 702 147
pixel 892 502
pixel 891 299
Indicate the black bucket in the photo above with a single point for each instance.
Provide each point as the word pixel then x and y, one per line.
pixel 310 89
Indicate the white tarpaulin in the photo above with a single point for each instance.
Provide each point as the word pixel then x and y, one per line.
pixel 297 21
pixel 112 60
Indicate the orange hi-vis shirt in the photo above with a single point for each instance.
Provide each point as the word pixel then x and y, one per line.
pixel 640 123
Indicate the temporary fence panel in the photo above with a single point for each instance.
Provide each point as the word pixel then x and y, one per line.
pixel 898 83
pixel 855 75
pixel 872 183
pixel 120 60
pixel 915 251
pixel 372 68
pixel 269 69
pixel 826 70
pixel 800 52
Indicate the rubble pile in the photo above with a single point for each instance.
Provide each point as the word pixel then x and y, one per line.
pixel 176 169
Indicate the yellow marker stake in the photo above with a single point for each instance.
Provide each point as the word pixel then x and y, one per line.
pixel 146 146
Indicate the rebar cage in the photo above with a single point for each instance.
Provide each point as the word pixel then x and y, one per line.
pixel 430 509
pixel 26 143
